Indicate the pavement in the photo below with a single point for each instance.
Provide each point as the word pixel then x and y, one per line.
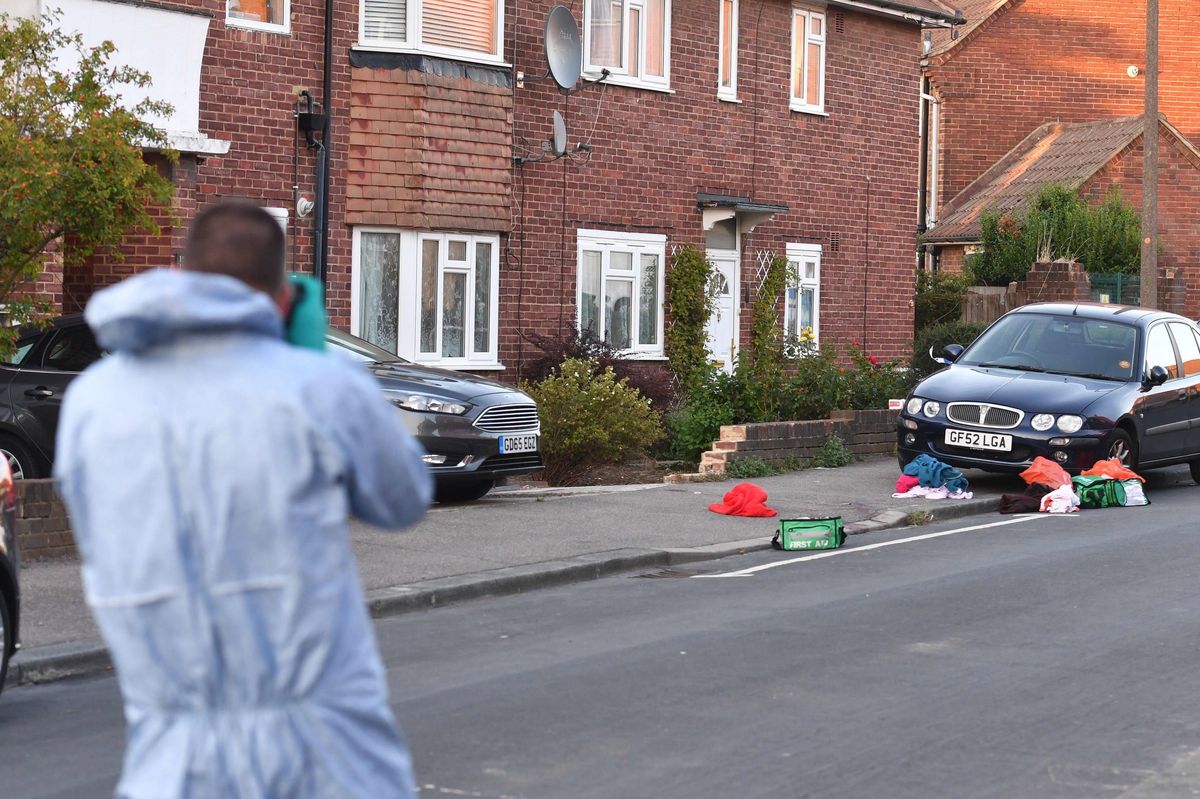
pixel 521 539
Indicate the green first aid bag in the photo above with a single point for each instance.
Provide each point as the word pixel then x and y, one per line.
pixel 1098 492
pixel 800 534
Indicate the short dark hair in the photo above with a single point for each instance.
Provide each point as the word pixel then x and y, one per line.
pixel 239 239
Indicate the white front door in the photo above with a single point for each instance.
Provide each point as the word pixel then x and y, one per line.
pixel 723 324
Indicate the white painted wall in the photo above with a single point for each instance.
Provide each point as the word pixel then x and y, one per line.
pixel 166 44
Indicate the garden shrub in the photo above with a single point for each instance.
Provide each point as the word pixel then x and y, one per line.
pixel 690 301
pixel 696 424
pixel 749 468
pixel 652 382
pixel 590 416
pixel 1058 224
pixel 938 336
pixel 938 298
pixel 832 454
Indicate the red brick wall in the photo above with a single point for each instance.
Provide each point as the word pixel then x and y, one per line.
pixel 1042 60
pixel 1178 214
pixel 654 151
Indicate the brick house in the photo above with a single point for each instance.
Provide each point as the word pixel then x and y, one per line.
pixel 746 130
pixel 1017 65
pixel 780 128
pixel 1092 158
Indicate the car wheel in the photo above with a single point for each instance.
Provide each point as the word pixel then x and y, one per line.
pixel 1194 466
pixel 1123 448
pixel 5 632
pixel 463 492
pixel 20 462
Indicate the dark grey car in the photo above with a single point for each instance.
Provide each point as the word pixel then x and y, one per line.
pixel 474 430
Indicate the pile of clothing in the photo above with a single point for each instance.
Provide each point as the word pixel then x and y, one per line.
pixel 926 476
pixel 1107 484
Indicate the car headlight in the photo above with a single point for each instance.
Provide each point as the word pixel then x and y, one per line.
pixel 1042 422
pixel 914 406
pixel 426 404
pixel 1070 423
pixel 931 409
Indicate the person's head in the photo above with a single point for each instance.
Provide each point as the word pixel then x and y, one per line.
pixel 239 239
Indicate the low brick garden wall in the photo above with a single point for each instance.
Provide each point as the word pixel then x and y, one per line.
pixel 865 433
pixel 43 530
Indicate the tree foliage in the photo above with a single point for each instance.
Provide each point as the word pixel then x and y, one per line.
pixel 72 176
pixel 1059 224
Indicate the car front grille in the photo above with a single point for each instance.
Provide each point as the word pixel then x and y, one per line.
pixel 520 461
pixel 983 415
pixel 509 419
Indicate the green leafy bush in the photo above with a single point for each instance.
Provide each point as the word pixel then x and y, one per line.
pixel 749 468
pixel 939 298
pixel 694 425
pixel 690 301
pixel 590 416
pixel 1058 224
pixel 938 336
pixel 832 454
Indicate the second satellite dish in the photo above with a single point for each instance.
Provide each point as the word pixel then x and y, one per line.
pixel 564 52
pixel 558 139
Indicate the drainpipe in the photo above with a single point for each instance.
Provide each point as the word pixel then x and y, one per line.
pixel 321 217
pixel 923 161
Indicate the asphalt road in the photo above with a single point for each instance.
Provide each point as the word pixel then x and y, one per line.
pixel 1035 657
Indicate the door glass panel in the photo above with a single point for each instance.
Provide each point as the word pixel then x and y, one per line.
pixel 429 287
pixel 1189 352
pixel 589 293
pixel 454 315
pixel 379 273
pixel 1159 352
pixel 483 293
pixel 648 301
pixel 618 312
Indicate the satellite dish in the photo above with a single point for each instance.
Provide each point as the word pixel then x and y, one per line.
pixel 564 53
pixel 558 140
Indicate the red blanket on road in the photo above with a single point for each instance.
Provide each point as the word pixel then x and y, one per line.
pixel 744 499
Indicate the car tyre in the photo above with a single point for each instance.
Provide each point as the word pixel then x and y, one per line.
pixel 462 491
pixel 19 460
pixel 1121 446
pixel 1194 466
pixel 5 632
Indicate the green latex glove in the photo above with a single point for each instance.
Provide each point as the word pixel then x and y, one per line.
pixel 307 321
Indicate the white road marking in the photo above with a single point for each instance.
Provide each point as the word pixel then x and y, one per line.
pixel 1024 517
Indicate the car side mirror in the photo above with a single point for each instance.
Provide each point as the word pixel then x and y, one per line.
pixel 949 355
pixel 1158 376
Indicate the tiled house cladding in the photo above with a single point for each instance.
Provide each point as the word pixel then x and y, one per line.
pixel 429 151
pixel 1034 61
pixel 847 177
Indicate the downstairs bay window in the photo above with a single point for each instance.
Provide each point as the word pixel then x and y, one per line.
pixel 429 297
pixel 620 289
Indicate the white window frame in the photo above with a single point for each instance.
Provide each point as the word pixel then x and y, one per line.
pixel 797 254
pixel 257 25
pixel 414 43
pixel 804 103
pixel 637 244
pixel 728 92
pixel 620 75
pixel 408 334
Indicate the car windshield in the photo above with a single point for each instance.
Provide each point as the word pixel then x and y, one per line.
pixel 357 349
pixel 1059 344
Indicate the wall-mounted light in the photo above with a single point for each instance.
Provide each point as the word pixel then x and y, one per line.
pixel 1133 70
pixel 304 205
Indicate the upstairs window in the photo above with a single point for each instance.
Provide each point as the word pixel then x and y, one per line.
pixel 630 38
pixel 808 61
pixel 463 28
pixel 268 15
pixel 727 45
